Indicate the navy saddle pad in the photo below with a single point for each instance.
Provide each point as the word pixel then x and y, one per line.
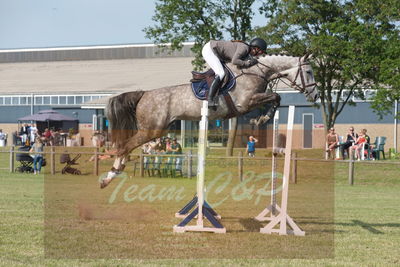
pixel 200 87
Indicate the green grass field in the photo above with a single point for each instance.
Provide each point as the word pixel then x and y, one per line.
pixel 67 221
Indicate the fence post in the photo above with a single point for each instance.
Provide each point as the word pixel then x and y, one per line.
pixel 12 158
pixel 351 167
pixel 96 161
pixel 52 160
pixel 240 165
pixel 189 164
pixel 294 168
pixel 141 167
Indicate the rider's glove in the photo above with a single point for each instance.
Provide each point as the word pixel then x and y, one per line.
pixel 252 61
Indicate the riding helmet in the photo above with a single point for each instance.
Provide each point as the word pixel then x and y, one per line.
pixel 260 43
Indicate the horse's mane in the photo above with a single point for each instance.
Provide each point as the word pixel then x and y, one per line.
pixel 278 55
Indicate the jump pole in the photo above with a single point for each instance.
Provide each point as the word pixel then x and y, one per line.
pixel 278 218
pixel 201 207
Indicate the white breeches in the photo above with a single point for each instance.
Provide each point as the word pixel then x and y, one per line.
pixel 212 60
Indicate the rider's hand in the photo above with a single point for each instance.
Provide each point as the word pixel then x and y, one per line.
pixel 252 61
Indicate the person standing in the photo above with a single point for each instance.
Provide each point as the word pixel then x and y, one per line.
pixel 176 149
pixel 251 146
pixel 38 158
pixel 32 133
pixel 24 134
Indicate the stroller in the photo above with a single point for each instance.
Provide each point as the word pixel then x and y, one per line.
pixel 25 160
pixel 65 158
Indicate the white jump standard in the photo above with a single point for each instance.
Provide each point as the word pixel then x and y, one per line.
pixel 278 218
pixel 203 209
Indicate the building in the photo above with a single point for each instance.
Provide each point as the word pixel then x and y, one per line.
pixel 77 81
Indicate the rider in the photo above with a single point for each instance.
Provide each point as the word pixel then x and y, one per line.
pixel 236 52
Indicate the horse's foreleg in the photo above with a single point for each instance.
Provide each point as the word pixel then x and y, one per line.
pixel 118 167
pixel 262 99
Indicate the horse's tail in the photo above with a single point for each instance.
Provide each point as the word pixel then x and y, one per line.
pixel 121 114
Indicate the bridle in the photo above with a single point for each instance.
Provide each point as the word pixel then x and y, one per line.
pixel 283 78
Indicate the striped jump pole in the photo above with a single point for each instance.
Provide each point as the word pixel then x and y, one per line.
pixel 200 207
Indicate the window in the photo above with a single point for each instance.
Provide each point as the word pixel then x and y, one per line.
pixel 369 94
pixel 38 100
pixel 54 100
pixel 29 100
pixel 1 100
pixel 63 100
pixel 95 97
pixel 15 100
pixel 78 100
pixel 87 98
pixel 7 100
pixel 70 100
pixel 46 100
pixel 23 100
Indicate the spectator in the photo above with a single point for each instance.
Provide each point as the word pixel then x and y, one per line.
pixel 176 149
pixel 167 145
pixel 15 138
pixel 47 136
pixel 57 139
pixel 159 147
pixel 350 140
pixel 367 145
pixel 33 133
pixel 3 138
pixel 251 146
pixel 360 142
pixel 24 134
pixel 332 139
pixel 38 158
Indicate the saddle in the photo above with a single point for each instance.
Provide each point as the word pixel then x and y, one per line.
pixel 201 82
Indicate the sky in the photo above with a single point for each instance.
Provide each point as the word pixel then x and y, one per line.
pixel 58 23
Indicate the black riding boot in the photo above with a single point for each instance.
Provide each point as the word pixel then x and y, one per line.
pixel 214 88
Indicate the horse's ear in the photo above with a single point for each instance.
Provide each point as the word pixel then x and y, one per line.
pixel 307 56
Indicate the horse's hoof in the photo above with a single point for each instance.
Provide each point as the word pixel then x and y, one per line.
pixel 104 183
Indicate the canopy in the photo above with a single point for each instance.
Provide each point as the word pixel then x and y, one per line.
pixel 47 115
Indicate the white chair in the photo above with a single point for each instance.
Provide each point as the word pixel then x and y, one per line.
pixel 337 150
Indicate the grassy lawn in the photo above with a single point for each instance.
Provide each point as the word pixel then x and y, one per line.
pixel 67 221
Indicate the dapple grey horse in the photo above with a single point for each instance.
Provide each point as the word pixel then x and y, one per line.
pixel 138 117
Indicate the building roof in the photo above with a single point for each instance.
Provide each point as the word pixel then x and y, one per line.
pixel 97 76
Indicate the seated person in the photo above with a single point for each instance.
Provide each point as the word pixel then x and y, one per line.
pixel 360 142
pixel 368 145
pixel 175 147
pixel 350 140
pixel 332 140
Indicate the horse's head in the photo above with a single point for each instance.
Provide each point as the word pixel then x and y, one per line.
pixel 296 72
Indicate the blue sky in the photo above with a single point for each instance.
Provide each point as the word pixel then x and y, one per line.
pixel 54 23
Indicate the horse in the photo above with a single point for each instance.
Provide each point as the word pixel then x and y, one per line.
pixel 140 116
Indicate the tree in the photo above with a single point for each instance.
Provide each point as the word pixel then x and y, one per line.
pixel 349 41
pixel 200 21
pixel 390 79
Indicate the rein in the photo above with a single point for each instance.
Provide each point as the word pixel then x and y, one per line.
pixel 280 77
